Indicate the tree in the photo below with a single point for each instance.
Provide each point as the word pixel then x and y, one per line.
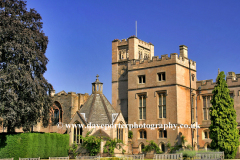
pixel 223 128
pixel 24 92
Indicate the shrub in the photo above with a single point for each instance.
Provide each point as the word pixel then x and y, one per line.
pixel 33 145
pixel 130 134
pixel 152 146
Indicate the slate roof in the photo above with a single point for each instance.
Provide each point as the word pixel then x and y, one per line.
pixel 98 110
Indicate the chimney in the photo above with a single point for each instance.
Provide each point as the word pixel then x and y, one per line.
pixel 183 51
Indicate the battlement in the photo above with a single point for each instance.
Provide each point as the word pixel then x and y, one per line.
pixel 140 42
pixel 164 60
pixel 232 80
pixel 63 93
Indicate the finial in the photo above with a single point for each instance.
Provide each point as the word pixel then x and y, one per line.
pixel 218 70
pixel 97 76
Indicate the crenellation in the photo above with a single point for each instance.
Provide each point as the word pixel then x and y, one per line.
pixel 164 60
pixel 165 57
pixel 155 58
pixel 72 93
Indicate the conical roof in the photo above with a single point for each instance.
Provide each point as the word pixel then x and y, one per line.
pixel 98 110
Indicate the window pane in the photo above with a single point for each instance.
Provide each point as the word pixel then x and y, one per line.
pixel 160 99
pixel 143 77
pixel 144 112
pixel 159 77
pixel 165 134
pixel 204 102
pixel 78 133
pixel 205 133
pixel 160 134
pixel 141 136
pixel 139 79
pixel 208 101
pixel 164 100
pixel 205 113
pixel 117 133
pixel 145 134
pixel 144 101
pixel 164 111
pixel 140 101
pixel 74 135
pixel 163 76
pixel 160 111
pixel 140 113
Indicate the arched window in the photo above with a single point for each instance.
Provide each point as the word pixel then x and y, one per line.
pixel 142 134
pixel 162 147
pixel 120 132
pixel 76 133
pixel 206 134
pixel 141 147
pixel 56 113
pixel 162 133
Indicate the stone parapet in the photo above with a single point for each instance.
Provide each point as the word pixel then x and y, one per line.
pixel 164 60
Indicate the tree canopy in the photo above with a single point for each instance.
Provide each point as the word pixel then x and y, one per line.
pixel 24 92
pixel 223 128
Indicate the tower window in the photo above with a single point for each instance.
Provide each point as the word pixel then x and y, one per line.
pixel 162 105
pixel 141 79
pixel 162 133
pixel 142 107
pixel 161 76
pixel 142 134
pixel 206 105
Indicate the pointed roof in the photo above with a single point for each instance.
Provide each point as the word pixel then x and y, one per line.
pixel 97 108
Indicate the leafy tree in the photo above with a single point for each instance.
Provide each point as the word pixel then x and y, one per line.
pixel 223 128
pixel 24 92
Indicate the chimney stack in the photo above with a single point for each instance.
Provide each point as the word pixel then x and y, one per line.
pixel 183 51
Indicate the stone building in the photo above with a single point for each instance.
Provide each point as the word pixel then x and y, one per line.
pixel 153 90
pixel 99 117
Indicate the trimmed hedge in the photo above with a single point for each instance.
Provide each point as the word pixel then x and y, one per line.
pixel 33 145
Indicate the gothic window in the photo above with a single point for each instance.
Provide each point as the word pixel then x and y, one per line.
pixel 193 113
pixel 162 133
pixel 162 147
pixel 162 105
pixel 141 147
pixel 120 132
pixel 56 113
pixel 141 79
pixel 142 106
pixel 206 134
pixel 76 133
pixel 142 134
pixel 206 105
pixel 161 76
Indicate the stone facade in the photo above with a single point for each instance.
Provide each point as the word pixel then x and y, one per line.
pixel 155 90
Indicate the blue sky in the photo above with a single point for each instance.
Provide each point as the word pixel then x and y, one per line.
pixel 80 34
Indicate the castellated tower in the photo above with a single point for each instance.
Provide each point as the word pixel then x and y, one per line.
pixel 154 91
pixel 123 52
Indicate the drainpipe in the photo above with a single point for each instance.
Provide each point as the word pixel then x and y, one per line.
pixel 190 99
